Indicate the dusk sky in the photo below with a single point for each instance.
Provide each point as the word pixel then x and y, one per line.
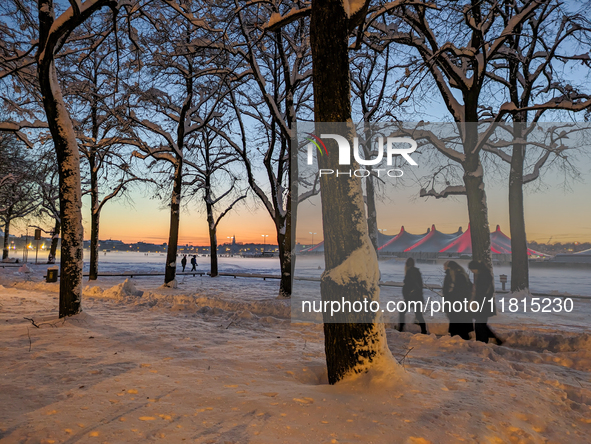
pixel 551 213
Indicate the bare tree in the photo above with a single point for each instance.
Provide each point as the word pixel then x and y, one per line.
pixel 18 189
pixel 48 182
pixel 457 59
pixel 51 35
pixel 91 91
pixel 176 80
pixel 530 73
pixel 217 183
pixel 277 59
pixel 370 70
pixel 350 347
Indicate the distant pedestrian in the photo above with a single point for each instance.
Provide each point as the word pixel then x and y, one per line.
pixel 184 262
pixel 413 291
pixel 457 287
pixel 194 263
pixel 484 292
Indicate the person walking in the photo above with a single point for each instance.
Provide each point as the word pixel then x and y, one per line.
pixel 184 262
pixel 484 291
pixel 457 287
pixel 194 263
pixel 412 290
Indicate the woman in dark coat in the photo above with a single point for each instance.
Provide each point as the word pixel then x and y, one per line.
pixel 484 290
pixel 413 291
pixel 457 287
pixel 184 262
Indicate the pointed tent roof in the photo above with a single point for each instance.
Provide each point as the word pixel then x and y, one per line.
pixel 434 241
pixel 584 252
pixel 319 247
pixel 500 244
pixel 463 245
pixel 402 241
pixel 384 238
pixel 501 241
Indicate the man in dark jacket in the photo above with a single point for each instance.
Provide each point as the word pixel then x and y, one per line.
pixel 193 263
pixel 484 290
pixel 413 291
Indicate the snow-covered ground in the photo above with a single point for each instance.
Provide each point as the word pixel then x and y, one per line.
pixel 218 361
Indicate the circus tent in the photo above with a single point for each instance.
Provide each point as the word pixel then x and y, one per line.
pixel 402 241
pixel 434 241
pixel 500 244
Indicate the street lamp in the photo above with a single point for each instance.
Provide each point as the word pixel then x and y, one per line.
pixel 264 241
pixel 312 237
pixel 230 242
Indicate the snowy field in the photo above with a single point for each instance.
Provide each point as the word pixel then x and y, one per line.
pixel 574 281
pixel 218 361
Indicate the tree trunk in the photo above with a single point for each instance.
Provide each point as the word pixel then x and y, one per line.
pixel 519 258
pixel 6 235
pixel 54 240
pixel 350 347
pixel 284 242
pixel 94 245
pixel 372 214
pixel 213 241
pixel 370 192
pixel 175 211
pixel 66 148
pixel 477 210
pixel 94 220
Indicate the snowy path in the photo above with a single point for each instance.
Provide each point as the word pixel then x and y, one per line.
pixel 164 367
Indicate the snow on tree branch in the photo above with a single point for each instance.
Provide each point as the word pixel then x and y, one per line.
pixel 452 190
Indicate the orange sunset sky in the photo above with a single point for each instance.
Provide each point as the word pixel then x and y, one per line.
pixel 552 213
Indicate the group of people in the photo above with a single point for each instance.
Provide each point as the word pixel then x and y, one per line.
pixel 193 262
pixel 456 287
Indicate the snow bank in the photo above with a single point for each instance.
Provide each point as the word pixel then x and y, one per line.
pixel 24 269
pixel 269 311
pixel 381 374
pixel 37 286
pixel 550 341
pixel 123 291
pixel 172 284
